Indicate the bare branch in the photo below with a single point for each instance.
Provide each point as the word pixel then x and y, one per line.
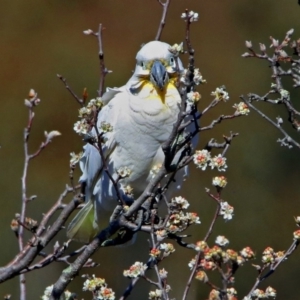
pixel 64 80
pixel 218 121
pixel 36 245
pixel 288 140
pixel 165 6
pixel 74 268
pixel 103 70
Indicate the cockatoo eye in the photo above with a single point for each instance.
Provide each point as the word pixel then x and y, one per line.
pixel 172 61
pixel 143 65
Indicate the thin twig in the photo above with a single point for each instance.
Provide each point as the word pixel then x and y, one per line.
pixel 162 23
pixel 278 56
pixel 64 80
pixel 218 121
pixel 27 130
pixel 103 70
pixel 213 222
pixel 288 140
pixel 53 257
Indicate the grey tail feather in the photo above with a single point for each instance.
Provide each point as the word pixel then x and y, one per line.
pixel 82 228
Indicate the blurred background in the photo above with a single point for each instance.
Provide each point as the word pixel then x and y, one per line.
pixel 39 39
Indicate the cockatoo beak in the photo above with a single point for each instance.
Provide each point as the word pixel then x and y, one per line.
pixel 159 75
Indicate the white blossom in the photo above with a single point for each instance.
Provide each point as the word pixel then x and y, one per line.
pixel 242 108
pixel 137 269
pixel 201 159
pixel 105 293
pixel 124 172
pixel 180 202
pixel 193 97
pixel 176 49
pixel 218 162
pixel 219 181
pixel 222 241
pixel 75 158
pixel 81 127
pixel 226 211
pixel 220 94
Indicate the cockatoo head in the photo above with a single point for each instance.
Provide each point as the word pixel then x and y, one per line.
pixel 156 65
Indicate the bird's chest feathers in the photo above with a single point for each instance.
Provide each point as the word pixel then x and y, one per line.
pixel 145 124
pixel 154 105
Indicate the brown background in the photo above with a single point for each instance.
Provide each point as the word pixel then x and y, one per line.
pixel 39 39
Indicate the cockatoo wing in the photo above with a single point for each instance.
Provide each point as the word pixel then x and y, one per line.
pixel 85 224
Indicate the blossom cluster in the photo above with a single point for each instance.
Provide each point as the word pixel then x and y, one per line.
pixel 124 172
pixel 99 288
pixel 191 16
pixel 297 234
pixel 221 241
pixel 226 210
pixel 202 159
pixel 220 94
pixel 136 270
pixel 155 252
pixel 161 234
pixel 197 77
pixel 219 181
pixel 155 169
pixel 269 256
pixel 213 257
pixel 155 295
pixel 218 254
pixel 168 248
pixel 193 97
pixel 92 284
pixel 105 127
pixel 87 116
pixel 180 221
pixel 179 203
pixel 47 294
pixel 176 49
pixel 127 189
pixel 158 294
pixel 215 294
pixel 75 158
pixel 261 294
pixel 82 127
pixel 285 95
pixel 241 109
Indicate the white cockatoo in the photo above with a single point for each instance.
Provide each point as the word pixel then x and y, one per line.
pixel 142 114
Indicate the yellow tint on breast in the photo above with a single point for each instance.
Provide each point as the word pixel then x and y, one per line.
pixel 153 93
